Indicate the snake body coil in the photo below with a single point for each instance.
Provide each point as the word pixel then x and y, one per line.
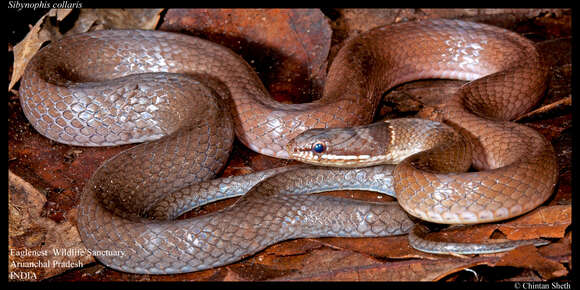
pixel 188 96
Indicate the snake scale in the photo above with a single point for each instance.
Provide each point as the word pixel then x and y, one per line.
pixel 187 97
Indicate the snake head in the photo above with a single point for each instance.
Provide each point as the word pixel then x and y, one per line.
pixel 340 147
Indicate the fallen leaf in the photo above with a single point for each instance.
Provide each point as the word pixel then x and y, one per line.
pixel 561 248
pixel 48 29
pixel 543 222
pixel 528 257
pixel 324 260
pixel 411 270
pixel 40 33
pixel 99 19
pixel 288 48
pixel 232 276
pixel 32 238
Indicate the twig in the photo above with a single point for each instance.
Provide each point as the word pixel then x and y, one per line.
pixel 565 101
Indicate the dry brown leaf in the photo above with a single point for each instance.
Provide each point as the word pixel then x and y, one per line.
pixel 287 47
pixel 324 260
pixel 232 276
pixel 411 270
pixel 99 19
pixel 40 33
pixel 432 270
pixel 561 248
pixel 545 221
pixel 88 19
pixel 529 258
pixel 30 232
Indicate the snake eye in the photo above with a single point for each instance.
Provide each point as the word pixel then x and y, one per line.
pixel 318 147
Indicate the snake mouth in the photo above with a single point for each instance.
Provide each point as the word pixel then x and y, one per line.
pixel 302 155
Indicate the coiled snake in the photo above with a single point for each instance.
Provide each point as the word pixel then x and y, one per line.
pixel 188 96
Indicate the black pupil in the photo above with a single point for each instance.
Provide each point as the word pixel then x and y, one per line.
pixel 318 148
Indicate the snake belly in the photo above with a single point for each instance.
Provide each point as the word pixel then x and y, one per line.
pixel 185 97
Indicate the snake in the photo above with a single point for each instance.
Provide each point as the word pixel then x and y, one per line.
pixel 185 100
